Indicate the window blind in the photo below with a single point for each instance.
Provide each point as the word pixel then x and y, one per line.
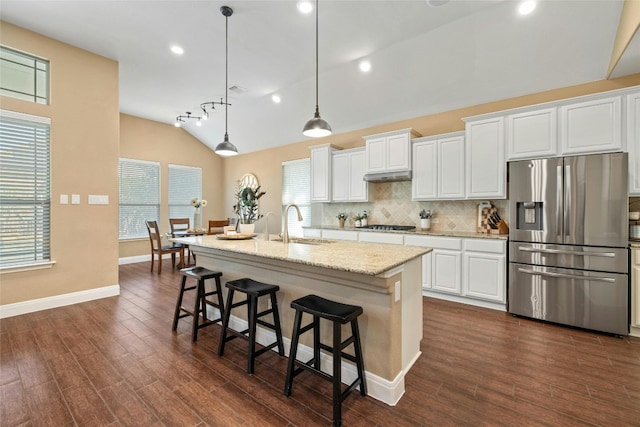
pixel 296 188
pixel 185 183
pixel 139 196
pixel 25 194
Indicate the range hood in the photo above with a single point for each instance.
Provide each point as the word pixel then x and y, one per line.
pixel 388 176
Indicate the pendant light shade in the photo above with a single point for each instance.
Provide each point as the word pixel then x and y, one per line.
pixel 226 148
pixel 317 127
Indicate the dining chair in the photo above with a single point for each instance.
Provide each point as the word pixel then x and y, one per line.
pixel 216 226
pixel 179 228
pixel 157 248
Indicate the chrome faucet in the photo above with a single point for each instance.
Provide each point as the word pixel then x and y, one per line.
pixel 266 223
pixel 285 231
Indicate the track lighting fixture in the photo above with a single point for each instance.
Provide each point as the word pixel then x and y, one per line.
pixel 212 106
pixel 183 119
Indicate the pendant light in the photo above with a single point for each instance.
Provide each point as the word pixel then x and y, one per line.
pixel 226 148
pixel 317 127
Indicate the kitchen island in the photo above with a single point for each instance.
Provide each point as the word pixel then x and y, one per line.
pixel 384 279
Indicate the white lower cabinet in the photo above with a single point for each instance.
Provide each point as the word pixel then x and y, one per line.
pixel 314 233
pixel 635 293
pixel 340 235
pixel 373 237
pixel 469 270
pixel 484 269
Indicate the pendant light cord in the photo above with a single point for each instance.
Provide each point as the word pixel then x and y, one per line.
pixel 317 109
pixel 226 76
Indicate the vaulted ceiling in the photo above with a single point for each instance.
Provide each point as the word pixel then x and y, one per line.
pixel 425 58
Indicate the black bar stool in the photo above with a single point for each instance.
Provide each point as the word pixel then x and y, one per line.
pixel 253 290
pixel 339 314
pixel 200 307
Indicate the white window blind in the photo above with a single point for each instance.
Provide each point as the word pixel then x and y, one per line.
pixel 25 194
pixel 139 197
pixel 185 183
pixel 296 188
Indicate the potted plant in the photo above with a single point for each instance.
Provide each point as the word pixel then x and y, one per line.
pixel 425 219
pixel 358 220
pixel 197 217
pixel 342 217
pixel 246 208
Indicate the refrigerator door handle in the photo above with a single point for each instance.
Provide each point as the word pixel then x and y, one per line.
pixel 559 200
pixel 567 199
pixel 566 276
pixel 565 252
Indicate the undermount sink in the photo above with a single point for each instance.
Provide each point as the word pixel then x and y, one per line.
pixel 307 241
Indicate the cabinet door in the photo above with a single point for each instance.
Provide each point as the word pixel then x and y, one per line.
pixel 425 171
pixel 635 288
pixel 321 174
pixel 633 142
pixel 398 152
pixel 591 126
pixel 358 187
pixel 446 271
pixel 532 134
pixel 340 177
pixel 484 276
pixel 485 174
pixel 451 168
pixel 376 150
pixel 427 271
pixel 340 235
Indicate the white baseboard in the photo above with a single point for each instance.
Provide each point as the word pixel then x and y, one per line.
pixel 142 258
pixel 386 391
pixel 18 308
pixel 464 300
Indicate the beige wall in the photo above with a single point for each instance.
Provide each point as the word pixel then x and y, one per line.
pixel 142 139
pixel 84 160
pixel 266 165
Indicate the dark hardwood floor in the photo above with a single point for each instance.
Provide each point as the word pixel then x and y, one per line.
pixel 116 362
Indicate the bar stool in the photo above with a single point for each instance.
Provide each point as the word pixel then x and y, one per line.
pixel 253 290
pixel 200 274
pixel 339 314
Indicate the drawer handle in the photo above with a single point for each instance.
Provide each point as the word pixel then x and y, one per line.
pixel 566 252
pixel 566 276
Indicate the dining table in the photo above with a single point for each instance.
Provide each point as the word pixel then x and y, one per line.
pixel 187 233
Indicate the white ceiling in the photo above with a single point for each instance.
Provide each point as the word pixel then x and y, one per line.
pixel 425 59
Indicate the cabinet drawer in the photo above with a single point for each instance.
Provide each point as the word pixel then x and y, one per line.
pixel 485 245
pixel 435 242
pixel 340 234
pixel 395 239
pixel 312 232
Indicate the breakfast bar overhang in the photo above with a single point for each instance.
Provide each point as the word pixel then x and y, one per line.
pixel 383 279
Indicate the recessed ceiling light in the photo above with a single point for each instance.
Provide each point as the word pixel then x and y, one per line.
pixel 526 7
pixel 304 6
pixel 177 49
pixel 276 98
pixel 436 3
pixel 365 66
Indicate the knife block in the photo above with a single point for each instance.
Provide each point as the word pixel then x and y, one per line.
pixel 503 228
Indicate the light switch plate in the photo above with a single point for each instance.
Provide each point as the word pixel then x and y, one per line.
pixel 75 199
pixel 64 199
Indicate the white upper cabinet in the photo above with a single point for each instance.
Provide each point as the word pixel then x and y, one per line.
pixel 532 134
pixel 633 142
pixel 485 158
pixel 389 152
pixel 348 172
pixel 438 167
pixel 593 126
pixel 321 172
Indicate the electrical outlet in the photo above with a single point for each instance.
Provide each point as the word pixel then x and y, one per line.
pixel 397 291
pixel 435 220
pixel 64 199
pixel 75 199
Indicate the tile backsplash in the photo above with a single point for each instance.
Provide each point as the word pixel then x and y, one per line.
pixel 390 203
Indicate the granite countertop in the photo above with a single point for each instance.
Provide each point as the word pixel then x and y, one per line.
pixel 364 258
pixel 420 232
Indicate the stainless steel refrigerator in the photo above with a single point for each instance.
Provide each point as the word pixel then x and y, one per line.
pixel 568 249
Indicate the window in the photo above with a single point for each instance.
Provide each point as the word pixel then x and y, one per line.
pixel 24 189
pixel 139 197
pixel 24 76
pixel 185 183
pixel 296 188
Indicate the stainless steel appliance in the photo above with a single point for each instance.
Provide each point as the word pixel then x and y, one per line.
pixel 568 256
pixel 383 227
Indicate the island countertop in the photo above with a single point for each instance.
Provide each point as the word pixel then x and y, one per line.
pixel 356 257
